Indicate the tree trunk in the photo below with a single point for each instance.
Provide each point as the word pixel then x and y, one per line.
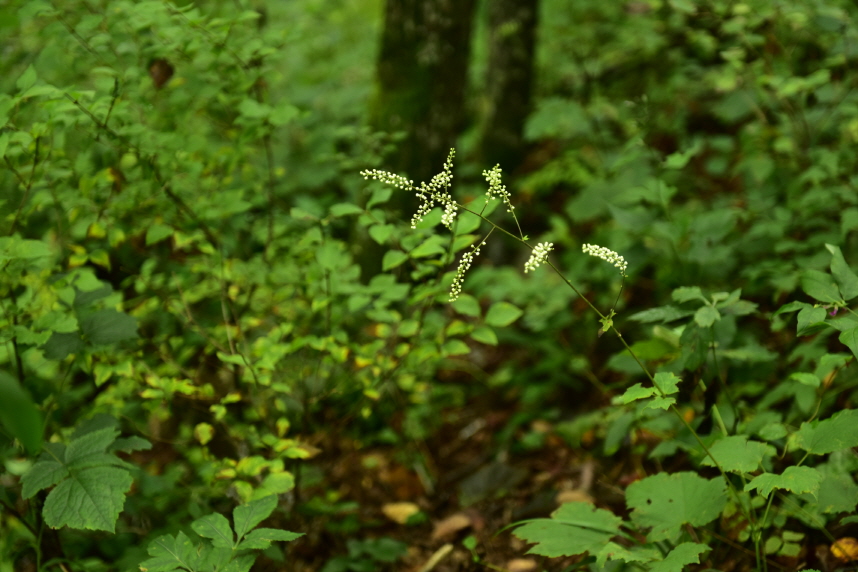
pixel 422 72
pixel 512 34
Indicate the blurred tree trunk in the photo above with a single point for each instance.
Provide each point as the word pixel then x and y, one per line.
pixel 421 73
pixel 512 35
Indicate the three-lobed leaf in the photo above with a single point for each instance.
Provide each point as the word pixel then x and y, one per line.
pixel 738 454
pixel 838 432
pixel 794 479
pixel 574 528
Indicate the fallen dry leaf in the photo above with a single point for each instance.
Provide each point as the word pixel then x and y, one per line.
pixel 521 565
pixel 845 549
pixel 576 495
pixel 451 525
pixel 400 512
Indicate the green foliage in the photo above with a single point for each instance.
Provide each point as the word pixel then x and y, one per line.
pixel 365 555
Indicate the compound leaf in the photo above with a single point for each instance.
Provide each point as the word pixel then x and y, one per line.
pixel 247 516
pixel 170 553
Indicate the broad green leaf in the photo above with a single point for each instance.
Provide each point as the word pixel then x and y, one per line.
pixel 791 307
pixel 661 314
pixel 794 479
pixel 467 305
pixel 667 502
pixel 810 320
pixel 808 379
pixel 42 475
pixel 435 244
pixel 27 79
pixel 849 338
pixel 261 538
pixel 820 286
pixel 108 326
pixel 660 403
pixel 19 415
pixel 667 382
pixel 381 232
pixel 705 316
pixel 837 490
pixel 392 259
pixel 171 553
pixel 613 551
pixel 91 443
pixel 838 432
pixel 485 335
pixel 344 209
pixel 158 232
pixel 635 392
pixel 681 556
pixel 216 527
pixel 846 278
pixel 91 498
pixel 574 528
pixel 247 516
pixel 455 348
pixel 278 483
pixel 687 293
pixel 736 453
pixel 502 314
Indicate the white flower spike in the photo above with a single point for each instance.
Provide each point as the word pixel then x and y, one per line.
pixel 538 256
pixel 607 255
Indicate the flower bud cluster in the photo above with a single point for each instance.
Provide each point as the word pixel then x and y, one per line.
pixel 538 256
pixel 607 255
pixel 496 190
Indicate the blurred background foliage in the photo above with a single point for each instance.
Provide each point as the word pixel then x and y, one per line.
pixel 188 245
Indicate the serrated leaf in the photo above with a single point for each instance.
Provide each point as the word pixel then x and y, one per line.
pixel 667 502
pixel 736 453
pixel 662 314
pixel 169 553
pixel 502 314
pixel 613 552
pixel 216 527
pixel 242 563
pixel 687 293
pixel 635 392
pixel 820 286
pixel 247 516
pixel 681 556
pixel 705 316
pixel 91 498
pixel 574 528
pixel 660 403
pixel 261 538
pixel 794 479
pixel 843 274
pixel 849 338
pixel 90 443
pixel 485 335
pixel 838 432
pixel 42 475
pixel 667 382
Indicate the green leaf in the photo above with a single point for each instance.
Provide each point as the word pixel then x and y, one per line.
pixel 467 305
pixel 247 516
pixel 706 316
pixel 90 443
pixel 19 415
pixel 381 232
pixel 660 403
pixel 808 379
pixel 662 314
pixel 635 392
pixel 158 232
pixel 574 528
pixel 502 314
pixel 216 527
pixel 485 335
pixel 849 338
pixel 736 453
pixel 667 502
pixel 687 293
pixel 455 348
pixel 90 498
pixel 613 551
pixel 261 538
pixel 27 79
pixel 794 479
pixel 791 307
pixel 838 432
pixel 344 209
pixel 667 382
pixel 846 278
pixel 392 259
pixel 681 556
pixel 810 320
pixel 42 475
pixel 820 286
pixel 108 326
pixel 170 553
